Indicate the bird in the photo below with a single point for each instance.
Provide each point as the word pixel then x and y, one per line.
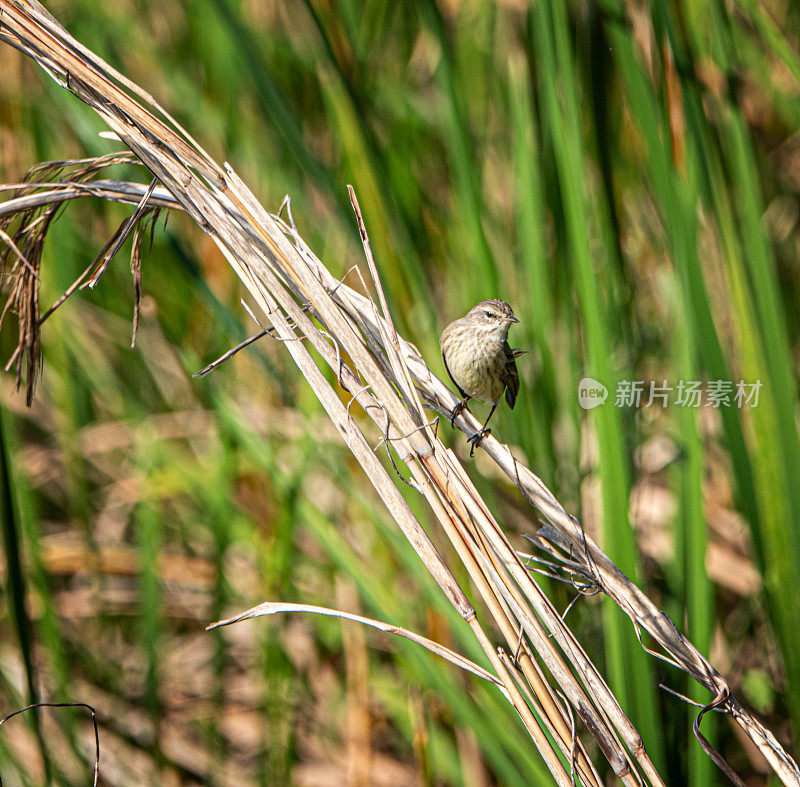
pixel 479 361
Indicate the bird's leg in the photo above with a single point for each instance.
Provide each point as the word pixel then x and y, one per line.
pixel 458 409
pixel 475 440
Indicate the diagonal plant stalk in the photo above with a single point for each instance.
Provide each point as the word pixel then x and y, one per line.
pixel 389 379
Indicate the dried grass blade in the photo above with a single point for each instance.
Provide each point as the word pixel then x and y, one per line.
pixel 391 341
pixel 121 236
pixel 275 607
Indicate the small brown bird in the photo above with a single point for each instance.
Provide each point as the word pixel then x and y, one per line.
pixel 478 359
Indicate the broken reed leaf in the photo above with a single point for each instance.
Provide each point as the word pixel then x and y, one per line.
pixel 275 607
pixel 136 274
pixel 25 245
pixel 121 235
pixel 715 756
pixel 230 353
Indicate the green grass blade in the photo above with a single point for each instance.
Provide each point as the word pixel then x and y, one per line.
pixel 17 585
pixel 536 302
pixel 629 668
pixel 471 209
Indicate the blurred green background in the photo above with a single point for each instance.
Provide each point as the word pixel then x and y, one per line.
pixel 625 174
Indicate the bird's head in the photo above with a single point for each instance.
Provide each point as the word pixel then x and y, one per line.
pixel 492 318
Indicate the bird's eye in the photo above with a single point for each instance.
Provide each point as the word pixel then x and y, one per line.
pixel 488 313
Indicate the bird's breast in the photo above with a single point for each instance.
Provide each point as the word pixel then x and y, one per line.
pixel 476 366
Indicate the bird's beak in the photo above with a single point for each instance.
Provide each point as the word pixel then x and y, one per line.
pixel 510 319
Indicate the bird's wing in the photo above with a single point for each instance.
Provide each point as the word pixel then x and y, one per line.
pixel 449 374
pixel 511 375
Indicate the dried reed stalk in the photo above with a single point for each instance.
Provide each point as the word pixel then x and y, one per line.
pixel 390 380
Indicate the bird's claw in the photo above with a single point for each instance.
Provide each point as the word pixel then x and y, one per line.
pixel 456 411
pixel 475 440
